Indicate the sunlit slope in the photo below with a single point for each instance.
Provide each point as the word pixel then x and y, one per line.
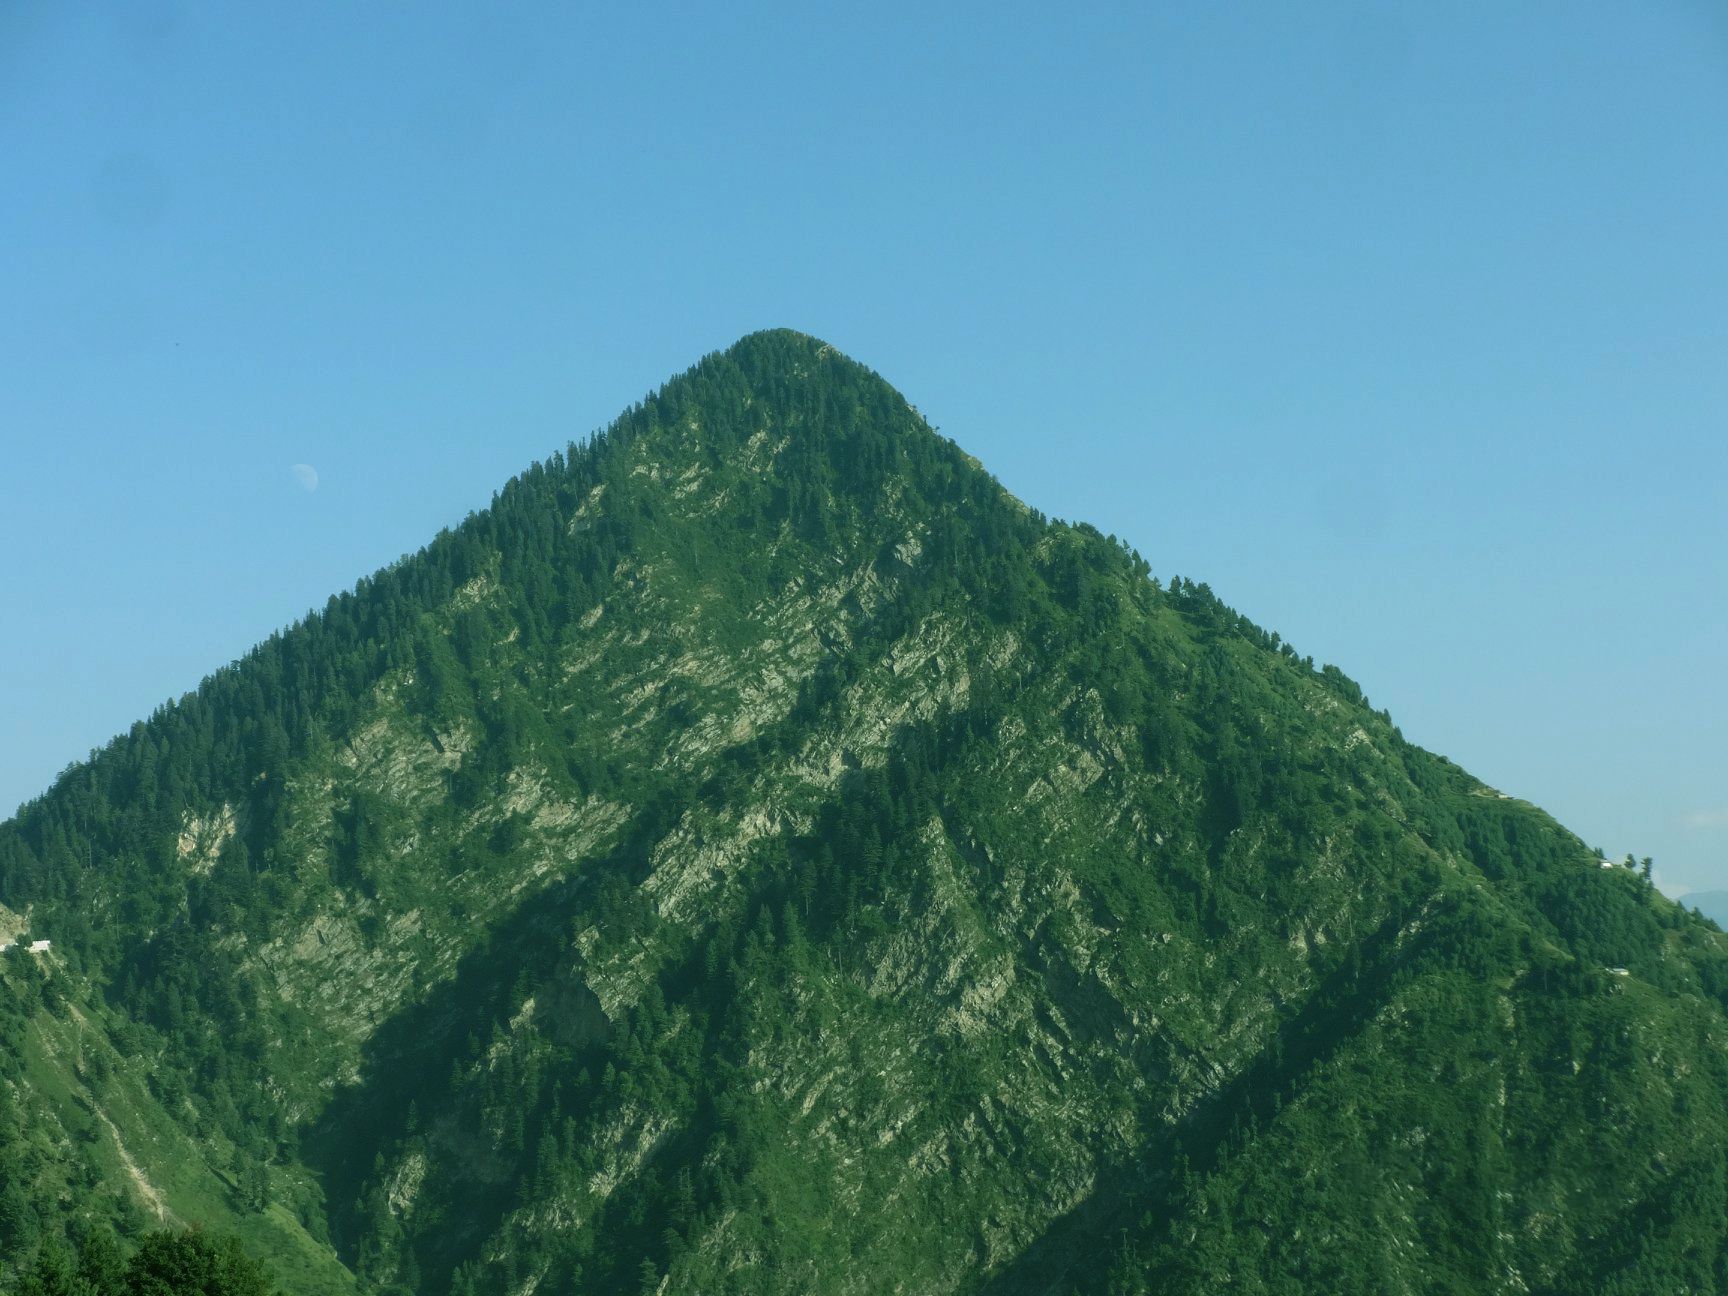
pixel 759 854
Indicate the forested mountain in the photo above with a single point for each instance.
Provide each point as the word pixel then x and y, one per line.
pixel 758 854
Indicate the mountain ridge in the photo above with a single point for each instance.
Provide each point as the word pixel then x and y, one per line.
pixel 758 853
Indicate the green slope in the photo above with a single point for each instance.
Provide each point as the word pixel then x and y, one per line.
pixel 758 854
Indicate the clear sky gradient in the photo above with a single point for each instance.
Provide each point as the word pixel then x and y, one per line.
pixel 1405 327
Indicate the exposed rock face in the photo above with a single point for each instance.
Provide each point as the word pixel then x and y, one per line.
pixel 760 855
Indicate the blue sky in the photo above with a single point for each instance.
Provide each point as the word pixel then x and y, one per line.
pixel 1404 327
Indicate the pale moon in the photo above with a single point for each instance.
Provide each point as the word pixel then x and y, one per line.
pixel 306 475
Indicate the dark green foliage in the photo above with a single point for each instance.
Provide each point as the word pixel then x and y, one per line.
pixel 163 1264
pixel 756 854
pixel 191 1264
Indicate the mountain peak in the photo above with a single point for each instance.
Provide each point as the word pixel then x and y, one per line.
pixel 757 854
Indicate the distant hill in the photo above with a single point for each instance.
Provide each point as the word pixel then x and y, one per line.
pixel 758 854
pixel 1712 904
